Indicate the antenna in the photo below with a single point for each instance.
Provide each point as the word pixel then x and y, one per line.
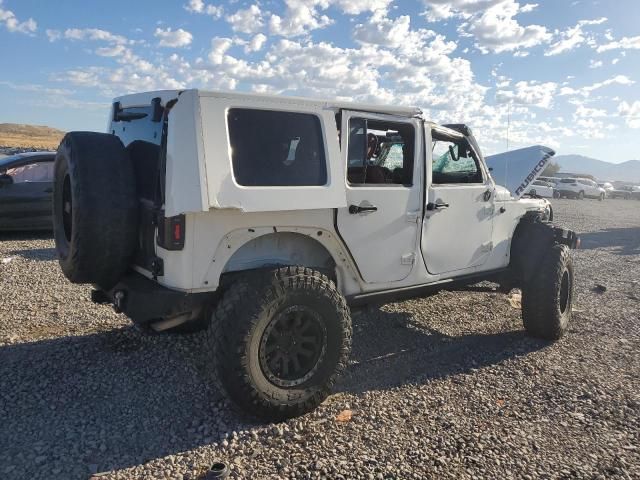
pixel 506 163
pixel 508 122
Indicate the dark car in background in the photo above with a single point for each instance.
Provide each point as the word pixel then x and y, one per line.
pixel 26 187
pixel 627 192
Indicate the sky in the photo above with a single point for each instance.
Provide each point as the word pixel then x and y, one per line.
pixel 562 73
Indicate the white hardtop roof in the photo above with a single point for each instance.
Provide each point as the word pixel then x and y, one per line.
pixel 139 99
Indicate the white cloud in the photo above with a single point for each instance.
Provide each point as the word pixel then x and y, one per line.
pixel 625 43
pixel 219 47
pixel 572 37
pixel 248 20
pixel 529 7
pixel 491 23
pixel 444 9
pixel 173 38
pixel 595 63
pixel 256 43
pixel 301 17
pixel 12 24
pixel 586 112
pixel 586 91
pixel 631 113
pixel 529 93
pixel 111 51
pixel 53 35
pixel 496 30
pixel 351 7
pixel 198 6
pixel 94 34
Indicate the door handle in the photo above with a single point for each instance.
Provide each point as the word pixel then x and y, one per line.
pixel 355 209
pixel 486 196
pixel 436 206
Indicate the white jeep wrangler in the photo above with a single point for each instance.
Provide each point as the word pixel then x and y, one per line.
pixel 268 216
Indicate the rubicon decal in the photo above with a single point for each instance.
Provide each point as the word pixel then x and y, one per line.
pixel 533 175
pixel 517 169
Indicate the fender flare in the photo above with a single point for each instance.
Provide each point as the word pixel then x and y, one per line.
pixel 234 241
pixel 532 239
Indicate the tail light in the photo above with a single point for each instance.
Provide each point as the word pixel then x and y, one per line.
pixel 171 232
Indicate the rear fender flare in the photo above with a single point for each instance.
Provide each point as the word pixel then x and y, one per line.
pixel 301 244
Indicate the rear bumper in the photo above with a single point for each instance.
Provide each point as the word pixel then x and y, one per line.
pixel 145 301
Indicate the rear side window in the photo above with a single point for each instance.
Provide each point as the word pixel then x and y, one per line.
pixel 274 148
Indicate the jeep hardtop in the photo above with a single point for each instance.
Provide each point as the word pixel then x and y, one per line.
pixel 267 217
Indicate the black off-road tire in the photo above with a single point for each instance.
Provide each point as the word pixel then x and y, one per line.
pixel 547 297
pixel 95 209
pixel 236 336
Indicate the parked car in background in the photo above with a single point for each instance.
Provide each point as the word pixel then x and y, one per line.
pixel 552 180
pixel 541 189
pixel 635 192
pixel 607 187
pixel 26 186
pixel 623 192
pixel 580 188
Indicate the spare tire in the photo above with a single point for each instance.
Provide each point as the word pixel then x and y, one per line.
pixel 95 208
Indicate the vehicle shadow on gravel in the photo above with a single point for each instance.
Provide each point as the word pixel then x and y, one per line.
pixel 625 240
pixel 26 235
pixel 106 401
pixel 391 349
pixel 119 398
pixel 40 254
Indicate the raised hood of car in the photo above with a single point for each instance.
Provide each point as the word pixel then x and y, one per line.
pixel 517 169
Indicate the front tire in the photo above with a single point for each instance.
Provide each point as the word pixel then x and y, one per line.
pixel 547 297
pixel 279 340
pixel 601 198
pixel 581 196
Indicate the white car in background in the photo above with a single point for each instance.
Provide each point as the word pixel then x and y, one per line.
pixel 607 187
pixel 541 189
pixel 580 188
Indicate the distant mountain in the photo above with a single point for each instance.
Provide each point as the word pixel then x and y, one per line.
pixel 626 171
pixel 30 136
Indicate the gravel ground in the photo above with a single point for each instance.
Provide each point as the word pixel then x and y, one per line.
pixel 442 387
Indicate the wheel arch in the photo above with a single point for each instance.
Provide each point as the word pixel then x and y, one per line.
pixel 262 247
pixel 532 238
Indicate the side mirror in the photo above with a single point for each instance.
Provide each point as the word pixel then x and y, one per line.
pixel 5 180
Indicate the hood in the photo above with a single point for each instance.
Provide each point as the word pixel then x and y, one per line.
pixel 516 169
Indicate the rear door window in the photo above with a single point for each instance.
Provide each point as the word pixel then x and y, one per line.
pixel 276 148
pixel 380 152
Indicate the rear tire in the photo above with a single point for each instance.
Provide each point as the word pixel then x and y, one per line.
pixel 581 196
pixel 547 297
pixel 95 210
pixel 278 341
pixel 601 198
